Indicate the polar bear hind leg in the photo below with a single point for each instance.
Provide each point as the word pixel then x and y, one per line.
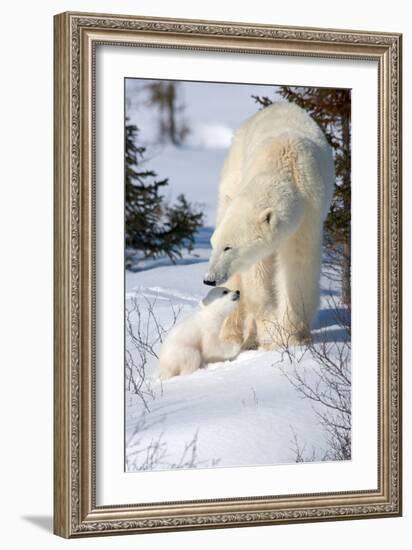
pixel 297 281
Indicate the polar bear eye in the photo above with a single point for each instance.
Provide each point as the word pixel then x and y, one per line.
pixel 225 292
pixel 227 248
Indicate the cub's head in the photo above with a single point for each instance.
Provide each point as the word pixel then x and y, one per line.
pixel 222 300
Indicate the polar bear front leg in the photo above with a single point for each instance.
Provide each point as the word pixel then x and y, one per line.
pixel 229 350
pixel 260 303
pixel 215 349
pixel 232 329
pixel 179 361
pixel 240 330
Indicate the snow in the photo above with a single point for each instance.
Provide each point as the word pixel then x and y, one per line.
pixel 243 412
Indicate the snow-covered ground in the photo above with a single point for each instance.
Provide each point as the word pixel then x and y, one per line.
pixel 244 412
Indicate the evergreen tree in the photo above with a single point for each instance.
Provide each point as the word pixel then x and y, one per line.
pixel 152 226
pixel 331 109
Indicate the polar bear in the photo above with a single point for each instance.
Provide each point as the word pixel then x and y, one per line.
pixel 196 341
pixel 275 192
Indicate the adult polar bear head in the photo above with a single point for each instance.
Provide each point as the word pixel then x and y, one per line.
pixel 255 221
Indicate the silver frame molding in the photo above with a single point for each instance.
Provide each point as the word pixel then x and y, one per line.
pixel 75 39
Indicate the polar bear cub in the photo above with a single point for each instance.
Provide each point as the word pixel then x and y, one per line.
pixel 196 340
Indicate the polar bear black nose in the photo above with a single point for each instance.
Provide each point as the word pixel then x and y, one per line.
pixel 209 282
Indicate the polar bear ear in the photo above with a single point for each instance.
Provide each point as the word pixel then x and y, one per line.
pixel 266 215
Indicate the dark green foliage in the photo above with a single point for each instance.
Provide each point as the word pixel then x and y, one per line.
pixel 331 109
pixel 152 226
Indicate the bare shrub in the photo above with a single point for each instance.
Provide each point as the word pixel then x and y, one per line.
pixel 155 454
pixel 145 333
pixel 325 380
pixel 253 401
pixel 300 450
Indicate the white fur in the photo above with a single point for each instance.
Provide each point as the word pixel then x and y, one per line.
pixel 275 192
pixel 196 340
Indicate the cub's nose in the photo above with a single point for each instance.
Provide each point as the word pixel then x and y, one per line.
pixel 236 295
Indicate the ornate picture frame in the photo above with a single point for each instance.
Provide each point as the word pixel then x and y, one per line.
pixel 76 36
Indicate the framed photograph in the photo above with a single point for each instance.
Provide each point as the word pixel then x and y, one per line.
pixel 227 274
